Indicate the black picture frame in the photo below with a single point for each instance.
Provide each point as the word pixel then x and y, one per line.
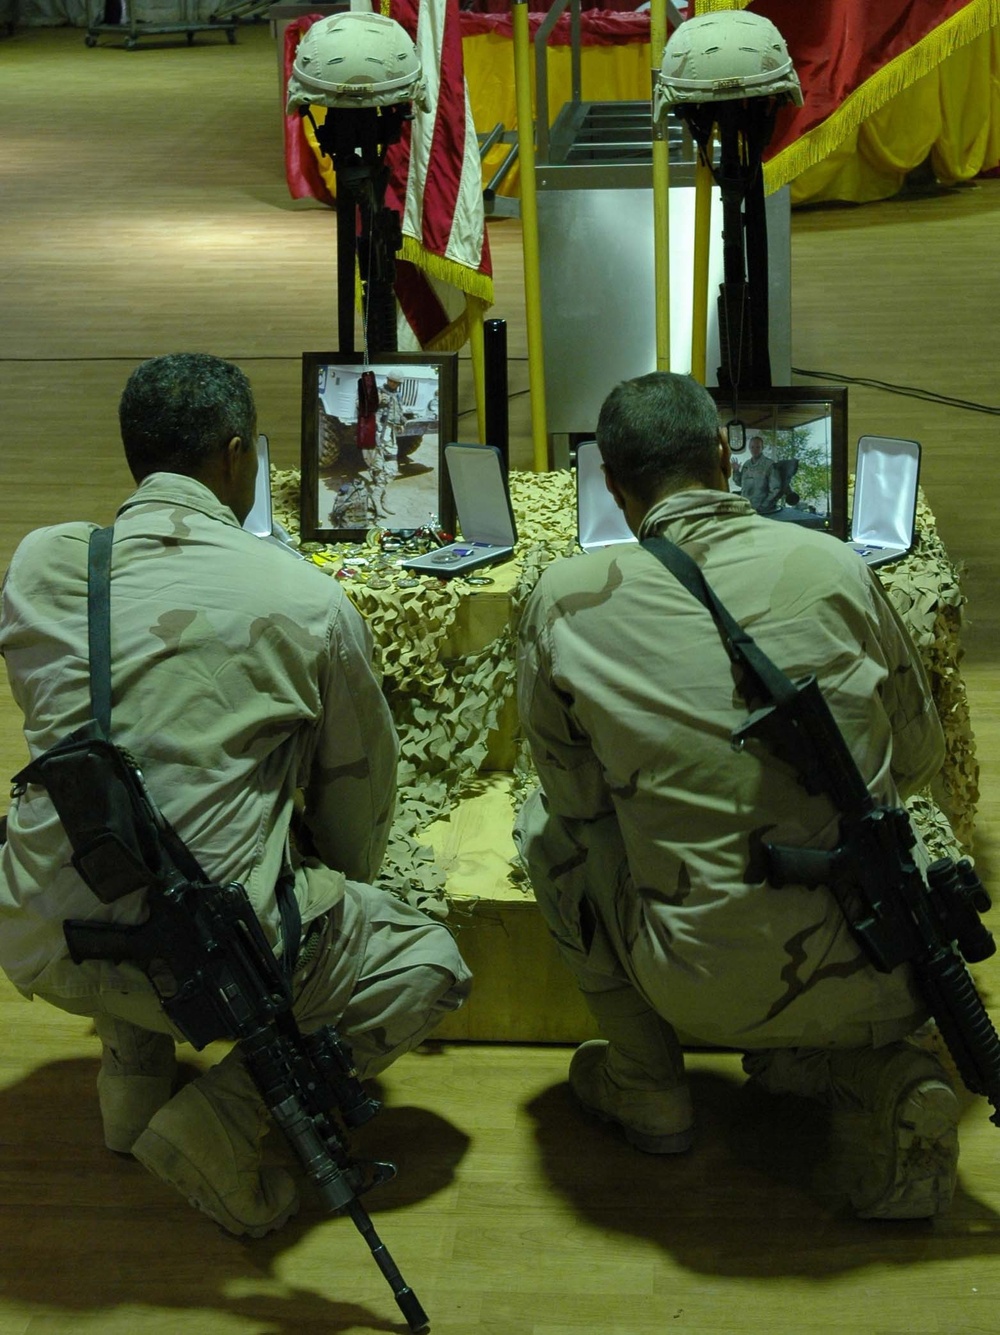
pixel 807 424
pixel 400 484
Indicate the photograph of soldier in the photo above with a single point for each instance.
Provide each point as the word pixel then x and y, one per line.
pixel 382 472
pixel 785 470
pixel 757 478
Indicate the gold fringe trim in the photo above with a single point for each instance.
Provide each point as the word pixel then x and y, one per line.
pixel 456 335
pixel 467 280
pixel 710 6
pixel 977 18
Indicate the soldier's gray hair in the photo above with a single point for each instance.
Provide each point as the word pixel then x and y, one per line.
pixel 657 433
pixel 177 411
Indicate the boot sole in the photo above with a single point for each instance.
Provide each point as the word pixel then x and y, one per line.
pixel 924 1131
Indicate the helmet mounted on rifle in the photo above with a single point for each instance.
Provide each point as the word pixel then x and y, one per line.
pixel 724 56
pixel 354 60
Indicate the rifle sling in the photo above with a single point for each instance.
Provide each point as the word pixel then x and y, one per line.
pixel 99 625
pixel 99 649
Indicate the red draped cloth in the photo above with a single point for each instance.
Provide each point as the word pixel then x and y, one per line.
pixel 598 27
pixel 854 56
pixel 305 181
pixel 851 57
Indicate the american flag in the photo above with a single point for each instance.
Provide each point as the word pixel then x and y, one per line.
pixel 445 256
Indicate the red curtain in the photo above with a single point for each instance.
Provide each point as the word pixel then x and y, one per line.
pixel 837 47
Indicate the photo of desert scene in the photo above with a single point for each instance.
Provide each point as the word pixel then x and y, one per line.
pixel 378 447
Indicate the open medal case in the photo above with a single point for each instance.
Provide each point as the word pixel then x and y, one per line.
pixel 260 521
pixel 485 517
pixel 885 498
pixel 599 522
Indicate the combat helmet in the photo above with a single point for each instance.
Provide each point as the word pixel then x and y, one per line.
pixel 723 56
pixel 356 59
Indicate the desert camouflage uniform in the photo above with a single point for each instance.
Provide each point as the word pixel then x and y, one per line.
pixel 639 845
pixel 239 676
pixel 760 483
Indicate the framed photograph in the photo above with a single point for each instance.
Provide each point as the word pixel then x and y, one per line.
pixel 789 450
pixel 373 438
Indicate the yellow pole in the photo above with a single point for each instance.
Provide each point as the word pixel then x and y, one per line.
pixel 529 235
pixel 474 313
pixel 702 239
pixel 661 195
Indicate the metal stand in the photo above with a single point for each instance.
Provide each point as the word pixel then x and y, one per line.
pixel 494 205
pixel 134 29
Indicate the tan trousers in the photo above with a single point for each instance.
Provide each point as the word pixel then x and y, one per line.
pixel 581 880
pixel 384 974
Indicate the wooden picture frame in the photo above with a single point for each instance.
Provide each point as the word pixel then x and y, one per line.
pixel 803 429
pixel 399 481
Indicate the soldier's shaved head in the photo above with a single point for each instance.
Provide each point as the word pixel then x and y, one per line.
pixel 658 433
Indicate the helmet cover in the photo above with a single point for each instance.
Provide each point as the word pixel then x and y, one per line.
pixel 724 56
pixel 356 59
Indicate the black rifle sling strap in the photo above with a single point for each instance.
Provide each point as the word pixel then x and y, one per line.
pixel 99 650
pixel 772 697
pixel 99 625
pixel 99 647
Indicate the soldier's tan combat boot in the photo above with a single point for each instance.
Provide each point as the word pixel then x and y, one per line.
pixel 206 1143
pixel 636 1078
pixel 901 1111
pixel 136 1079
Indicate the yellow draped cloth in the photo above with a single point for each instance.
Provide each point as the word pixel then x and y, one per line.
pixel 942 104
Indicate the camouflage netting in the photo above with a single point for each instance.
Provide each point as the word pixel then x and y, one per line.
pixel 446 708
pixel 925 590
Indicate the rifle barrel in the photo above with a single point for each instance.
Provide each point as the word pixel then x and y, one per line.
pixel 406 1299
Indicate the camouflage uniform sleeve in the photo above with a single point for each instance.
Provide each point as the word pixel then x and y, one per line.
pixel 917 735
pixel 571 775
pixel 350 794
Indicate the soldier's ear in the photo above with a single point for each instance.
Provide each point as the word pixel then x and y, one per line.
pixel 233 453
pixel 725 454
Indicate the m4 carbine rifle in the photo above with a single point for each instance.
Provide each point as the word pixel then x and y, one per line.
pixel 895 914
pixel 205 953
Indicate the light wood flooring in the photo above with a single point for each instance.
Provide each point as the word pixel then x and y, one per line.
pixel 143 210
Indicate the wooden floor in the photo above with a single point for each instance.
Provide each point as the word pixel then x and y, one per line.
pixel 144 210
